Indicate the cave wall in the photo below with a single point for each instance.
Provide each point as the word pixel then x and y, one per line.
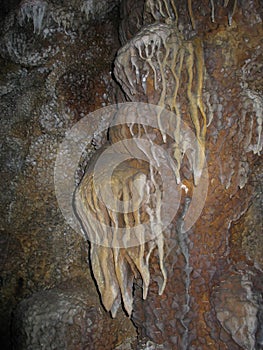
pixel 211 299
pixel 57 69
pixel 52 75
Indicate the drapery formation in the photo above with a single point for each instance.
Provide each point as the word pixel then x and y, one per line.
pixel 201 75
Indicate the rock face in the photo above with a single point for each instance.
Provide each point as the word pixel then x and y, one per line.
pixel 191 287
pixel 68 317
pixel 199 71
pixel 207 255
pixel 51 77
pixel 204 257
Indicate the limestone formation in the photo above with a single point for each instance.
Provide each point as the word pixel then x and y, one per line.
pixel 197 66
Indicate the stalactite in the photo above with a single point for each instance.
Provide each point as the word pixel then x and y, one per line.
pixel 162 9
pixel 154 59
pixel 115 259
pixel 159 49
pixel 88 8
pixel 35 10
pixel 189 3
pixel 92 8
pixel 212 10
pixel 231 11
pixel 153 54
pixel 158 53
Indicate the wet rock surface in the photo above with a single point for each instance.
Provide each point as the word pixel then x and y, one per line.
pixel 206 255
pixel 56 67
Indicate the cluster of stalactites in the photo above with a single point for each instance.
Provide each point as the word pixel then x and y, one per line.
pixel 167 10
pixel 94 8
pixel 33 10
pixel 121 247
pixel 154 59
pixel 41 12
pixel 149 67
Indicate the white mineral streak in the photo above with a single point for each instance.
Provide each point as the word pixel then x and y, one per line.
pixel 183 240
pixel 252 116
pixel 257 110
pixel 242 326
pixel 156 225
pixel 247 332
pixel 252 103
pixel 35 10
pixel 212 10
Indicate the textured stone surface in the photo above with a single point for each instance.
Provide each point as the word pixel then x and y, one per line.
pixel 50 78
pixel 236 308
pixel 186 316
pixel 48 81
pixel 68 317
